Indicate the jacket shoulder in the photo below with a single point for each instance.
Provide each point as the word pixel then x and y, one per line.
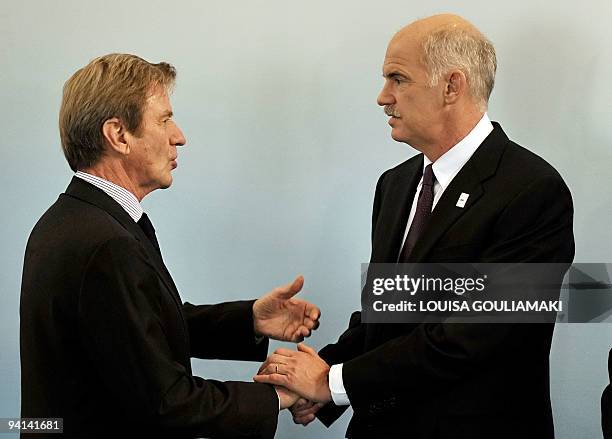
pixel 407 166
pixel 71 224
pixel 527 162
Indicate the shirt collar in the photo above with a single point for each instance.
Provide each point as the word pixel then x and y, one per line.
pixel 125 198
pixel 451 162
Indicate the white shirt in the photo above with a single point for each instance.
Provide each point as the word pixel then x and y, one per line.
pixel 125 198
pixel 444 169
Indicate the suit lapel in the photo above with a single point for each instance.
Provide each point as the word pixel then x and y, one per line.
pixel 84 191
pixel 397 194
pixel 393 219
pixel 395 209
pixel 480 167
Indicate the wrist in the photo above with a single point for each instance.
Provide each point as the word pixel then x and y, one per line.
pixel 325 391
pixel 256 326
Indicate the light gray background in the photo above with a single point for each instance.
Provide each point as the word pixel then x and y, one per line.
pixel 285 144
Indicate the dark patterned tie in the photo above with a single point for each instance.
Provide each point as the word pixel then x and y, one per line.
pixel 149 230
pixel 421 215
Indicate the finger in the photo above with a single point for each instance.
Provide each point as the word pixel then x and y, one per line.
pixel 304 420
pixel 306 411
pixel 313 312
pixel 268 367
pixel 301 404
pixel 268 370
pixel 275 379
pixel 290 290
pixel 273 359
pixel 300 333
pixel 284 352
pixel 309 323
pixel 303 348
pixel 279 358
pixel 263 367
pixel 306 417
pixel 316 325
pixel 297 337
pixel 274 368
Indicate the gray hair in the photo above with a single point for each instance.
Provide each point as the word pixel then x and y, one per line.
pixel 454 47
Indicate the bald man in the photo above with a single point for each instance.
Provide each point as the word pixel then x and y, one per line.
pixel 443 380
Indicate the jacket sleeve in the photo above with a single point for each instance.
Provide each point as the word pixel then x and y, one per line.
pixel 123 315
pixel 232 319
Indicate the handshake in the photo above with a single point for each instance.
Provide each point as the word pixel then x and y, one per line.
pixel 300 379
pixel 300 376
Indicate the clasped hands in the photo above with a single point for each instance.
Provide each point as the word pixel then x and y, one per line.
pixel 303 374
pixel 299 377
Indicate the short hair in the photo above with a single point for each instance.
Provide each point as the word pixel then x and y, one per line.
pixel 454 47
pixel 114 85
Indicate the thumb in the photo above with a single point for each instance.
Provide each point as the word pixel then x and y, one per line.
pixel 303 348
pixel 290 290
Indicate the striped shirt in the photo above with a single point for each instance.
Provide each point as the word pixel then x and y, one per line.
pixel 125 198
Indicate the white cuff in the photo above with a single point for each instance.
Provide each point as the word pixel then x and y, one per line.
pixel 279 400
pixel 336 386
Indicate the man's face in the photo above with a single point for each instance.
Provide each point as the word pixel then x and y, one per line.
pixel 153 151
pixel 414 107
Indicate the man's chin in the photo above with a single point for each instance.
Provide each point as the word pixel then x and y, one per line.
pixel 402 139
pixel 166 184
pixel 397 136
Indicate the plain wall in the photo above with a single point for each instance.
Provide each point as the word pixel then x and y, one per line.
pixel 277 100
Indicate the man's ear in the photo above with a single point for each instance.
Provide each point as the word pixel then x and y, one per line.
pixel 114 132
pixel 456 86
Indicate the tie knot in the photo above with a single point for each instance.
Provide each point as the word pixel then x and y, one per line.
pixel 428 175
pixel 147 227
pixel 145 222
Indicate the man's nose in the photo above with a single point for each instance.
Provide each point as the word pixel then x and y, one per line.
pixel 178 139
pixel 384 97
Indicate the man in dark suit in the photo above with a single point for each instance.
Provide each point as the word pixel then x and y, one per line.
pixel 471 196
pixel 106 341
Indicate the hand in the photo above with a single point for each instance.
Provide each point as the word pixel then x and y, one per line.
pixel 277 315
pixel 301 371
pixel 287 398
pixel 304 411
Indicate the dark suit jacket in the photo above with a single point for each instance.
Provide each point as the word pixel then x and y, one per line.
pixel 606 404
pixel 106 341
pixel 460 380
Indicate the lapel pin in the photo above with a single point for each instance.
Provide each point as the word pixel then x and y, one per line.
pixel 462 200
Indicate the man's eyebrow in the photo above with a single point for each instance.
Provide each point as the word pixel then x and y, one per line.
pixel 167 113
pixel 392 74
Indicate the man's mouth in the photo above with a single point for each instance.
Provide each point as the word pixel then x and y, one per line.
pixel 392 111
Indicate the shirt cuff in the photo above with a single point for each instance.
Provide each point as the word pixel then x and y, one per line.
pixel 336 386
pixel 277 397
